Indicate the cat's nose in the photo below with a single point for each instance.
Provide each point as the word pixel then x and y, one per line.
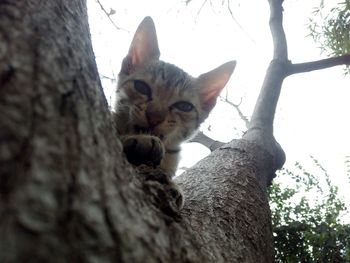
pixel 155 117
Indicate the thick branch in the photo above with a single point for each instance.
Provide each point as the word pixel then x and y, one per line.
pixel 319 64
pixel 261 124
pixel 265 106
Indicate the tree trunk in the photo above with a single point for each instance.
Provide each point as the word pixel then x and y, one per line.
pixel 66 192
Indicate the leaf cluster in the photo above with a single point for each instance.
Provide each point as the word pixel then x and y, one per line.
pixel 308 218
pixel 330 28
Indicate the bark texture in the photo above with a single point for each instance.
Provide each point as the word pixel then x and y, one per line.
pixel 66 192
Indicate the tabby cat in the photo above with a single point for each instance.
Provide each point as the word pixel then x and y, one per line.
pixel 158 105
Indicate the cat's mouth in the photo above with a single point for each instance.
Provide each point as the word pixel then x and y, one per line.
pixel 144 130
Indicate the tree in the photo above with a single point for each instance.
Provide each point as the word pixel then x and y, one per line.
pixel 66 192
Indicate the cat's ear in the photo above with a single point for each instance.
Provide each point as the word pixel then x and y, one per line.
pixel 212 83
pixel 143 48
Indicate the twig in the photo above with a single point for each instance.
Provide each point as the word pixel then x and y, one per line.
pixel 109 17
pixel 109 78
pixel 200 9
pixel 237 23
pixel 236 106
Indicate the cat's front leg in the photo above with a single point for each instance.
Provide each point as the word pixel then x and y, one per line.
pixel 143 149
pixel 157 165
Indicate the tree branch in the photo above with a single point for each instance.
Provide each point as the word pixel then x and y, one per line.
pixel 265 107
pixel 240 113
pixel 276 27
pixel 208 142
pixel 109 17
pixel 237 23
pixel 319 64
pixel 260 129
pixel 109 78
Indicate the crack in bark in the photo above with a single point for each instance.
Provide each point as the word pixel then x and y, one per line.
pixel 64 97
pixel 7 75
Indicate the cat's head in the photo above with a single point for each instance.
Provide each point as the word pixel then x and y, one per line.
pixel 159 98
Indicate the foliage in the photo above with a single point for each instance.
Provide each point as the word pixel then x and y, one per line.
pixel 308 218
pixel 330 28
pixel 347 165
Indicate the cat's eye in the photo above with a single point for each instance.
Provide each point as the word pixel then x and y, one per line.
pixel 142 87
pixel 183 106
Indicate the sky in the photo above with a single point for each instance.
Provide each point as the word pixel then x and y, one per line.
pixel 312 116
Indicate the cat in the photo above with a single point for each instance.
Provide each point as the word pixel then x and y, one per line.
pixel 158 105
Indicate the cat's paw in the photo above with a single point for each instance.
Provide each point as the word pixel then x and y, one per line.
pixel 163 191
pixel 143 149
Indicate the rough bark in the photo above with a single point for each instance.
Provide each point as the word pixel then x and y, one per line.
pixel 66 192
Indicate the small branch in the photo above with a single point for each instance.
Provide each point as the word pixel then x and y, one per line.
pixel 236 106
pixel 109 17
pixel 113 79
pixel 319 64
pixel 200 9
pixel 237 23
pixel 207 141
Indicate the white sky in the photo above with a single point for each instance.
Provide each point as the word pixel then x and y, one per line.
pixel 313 112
